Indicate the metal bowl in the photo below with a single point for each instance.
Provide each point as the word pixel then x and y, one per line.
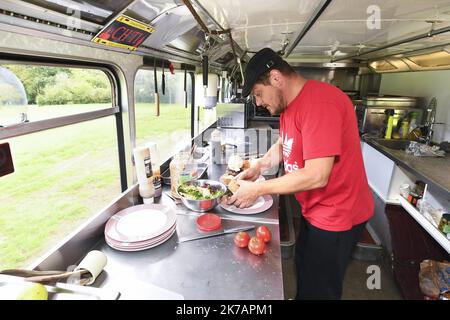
pixel 202 205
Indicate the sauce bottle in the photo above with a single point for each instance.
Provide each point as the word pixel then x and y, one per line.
pixel 144 173
pixel 390 123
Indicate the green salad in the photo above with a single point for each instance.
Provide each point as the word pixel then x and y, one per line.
pixel 193 192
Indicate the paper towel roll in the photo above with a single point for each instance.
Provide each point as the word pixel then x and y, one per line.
pixel 94 262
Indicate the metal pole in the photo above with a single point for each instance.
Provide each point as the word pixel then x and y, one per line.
pixel 396 43
pixel 316 14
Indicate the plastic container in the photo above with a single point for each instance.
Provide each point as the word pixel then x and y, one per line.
pixel 177 167
pixel 202 169
pixel 404 190
pixel 209 222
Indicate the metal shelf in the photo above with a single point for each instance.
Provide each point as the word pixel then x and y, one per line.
pixel 432 230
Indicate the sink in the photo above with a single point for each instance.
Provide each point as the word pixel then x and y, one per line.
pixel 393 143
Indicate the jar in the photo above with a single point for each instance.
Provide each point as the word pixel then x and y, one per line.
pixel 413 197
pixel 157 181
pixel 177 167
pixel 444 224
pixel 404 190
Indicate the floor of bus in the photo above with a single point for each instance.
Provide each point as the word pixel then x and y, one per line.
pixel 355 281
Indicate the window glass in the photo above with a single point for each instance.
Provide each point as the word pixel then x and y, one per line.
pixel 32 92
pixel 62 176
pixel 172 129
pixel 206 117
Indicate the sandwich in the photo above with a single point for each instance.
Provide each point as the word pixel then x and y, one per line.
pixel 233 186
pixel 236 165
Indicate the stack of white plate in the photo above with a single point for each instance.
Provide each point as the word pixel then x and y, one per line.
pixel 140 227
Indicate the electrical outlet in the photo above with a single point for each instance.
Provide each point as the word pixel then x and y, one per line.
pixel 6 163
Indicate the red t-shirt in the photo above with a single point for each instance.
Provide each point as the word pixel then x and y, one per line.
pixel 321 122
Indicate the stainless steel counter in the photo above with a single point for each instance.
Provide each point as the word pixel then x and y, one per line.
pixel 432 170
pixel 211 268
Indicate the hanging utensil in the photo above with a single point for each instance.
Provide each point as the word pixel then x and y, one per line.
pixel 163 81
pixel 185 88
pixel 156 89
pixel 205 70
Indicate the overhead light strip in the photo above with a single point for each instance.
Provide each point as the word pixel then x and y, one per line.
pixel 46 22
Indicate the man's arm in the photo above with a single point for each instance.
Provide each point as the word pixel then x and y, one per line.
pixel 314 175
pixel 272 158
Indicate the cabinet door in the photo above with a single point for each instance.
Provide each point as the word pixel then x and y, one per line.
pixel 379 169
pixel 411 244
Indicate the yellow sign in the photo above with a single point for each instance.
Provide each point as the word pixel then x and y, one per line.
pixel 124 32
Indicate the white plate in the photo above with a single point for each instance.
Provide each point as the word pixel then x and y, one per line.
pixel 139 248
pixel 261 204
pixel 141 222
pixel 144 243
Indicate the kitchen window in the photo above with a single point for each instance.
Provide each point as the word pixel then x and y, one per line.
pixel 171 130
pixel 65 151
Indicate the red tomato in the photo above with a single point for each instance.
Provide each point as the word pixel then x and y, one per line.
pixel 241 239
pixel 264 233
pixel 256 245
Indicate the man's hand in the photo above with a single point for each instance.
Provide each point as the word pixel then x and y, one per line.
pixel 246 194
pixel 252 173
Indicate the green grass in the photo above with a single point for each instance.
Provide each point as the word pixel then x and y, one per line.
pixel 65 175
pixel 173 119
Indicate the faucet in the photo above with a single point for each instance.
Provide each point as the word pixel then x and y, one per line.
pixel 430 122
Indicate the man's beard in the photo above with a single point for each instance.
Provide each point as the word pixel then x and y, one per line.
pixel 281 106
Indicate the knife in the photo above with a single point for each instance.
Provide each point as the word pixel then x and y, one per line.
pixel 224 231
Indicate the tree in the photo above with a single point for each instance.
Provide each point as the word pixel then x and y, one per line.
pixel 57 85
pixel 79 87
pixel 36 78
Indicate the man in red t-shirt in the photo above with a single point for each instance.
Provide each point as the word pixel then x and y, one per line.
pixel 320 148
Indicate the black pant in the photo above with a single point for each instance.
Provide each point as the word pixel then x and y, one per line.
pixel 322 257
